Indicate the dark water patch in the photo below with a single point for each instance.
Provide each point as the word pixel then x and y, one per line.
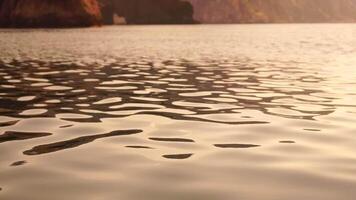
pixel 5 111
pixel 287 142
pixel 246 117
pixel 68 144
pixel 15 135
pixel 172 139
pixel 8 123
pixel 312 130
pixel 177 156
pixel 11 104
pixel 18 163
pixel 194 118
pixel 236 146
pixel 138 147
pixel 66 126
pixel 82 120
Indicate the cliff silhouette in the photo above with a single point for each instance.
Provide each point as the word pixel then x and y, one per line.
pixel 49 13
pixel 82 13
pixel 274 11
pixel 148 11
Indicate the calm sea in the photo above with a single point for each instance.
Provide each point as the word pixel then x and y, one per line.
pixel 204 112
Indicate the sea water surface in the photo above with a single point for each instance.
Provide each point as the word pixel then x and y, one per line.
pixel 228 112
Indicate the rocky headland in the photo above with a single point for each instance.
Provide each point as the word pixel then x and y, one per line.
pixel 49 13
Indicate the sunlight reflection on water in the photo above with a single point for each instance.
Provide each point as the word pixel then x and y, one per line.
pixel 178 112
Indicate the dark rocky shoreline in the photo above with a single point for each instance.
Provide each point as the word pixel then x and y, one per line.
pixel 49 13
pixel 85 13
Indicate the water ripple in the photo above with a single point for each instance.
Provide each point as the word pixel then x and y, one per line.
pixel 14 135
pixel 208 112
pixel 225 89
pixel 68 144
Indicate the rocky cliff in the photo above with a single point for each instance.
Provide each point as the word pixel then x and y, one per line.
pixel 49 13
pixel 274 11
pixel 148 11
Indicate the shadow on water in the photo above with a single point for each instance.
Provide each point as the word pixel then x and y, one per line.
pixel 58 146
